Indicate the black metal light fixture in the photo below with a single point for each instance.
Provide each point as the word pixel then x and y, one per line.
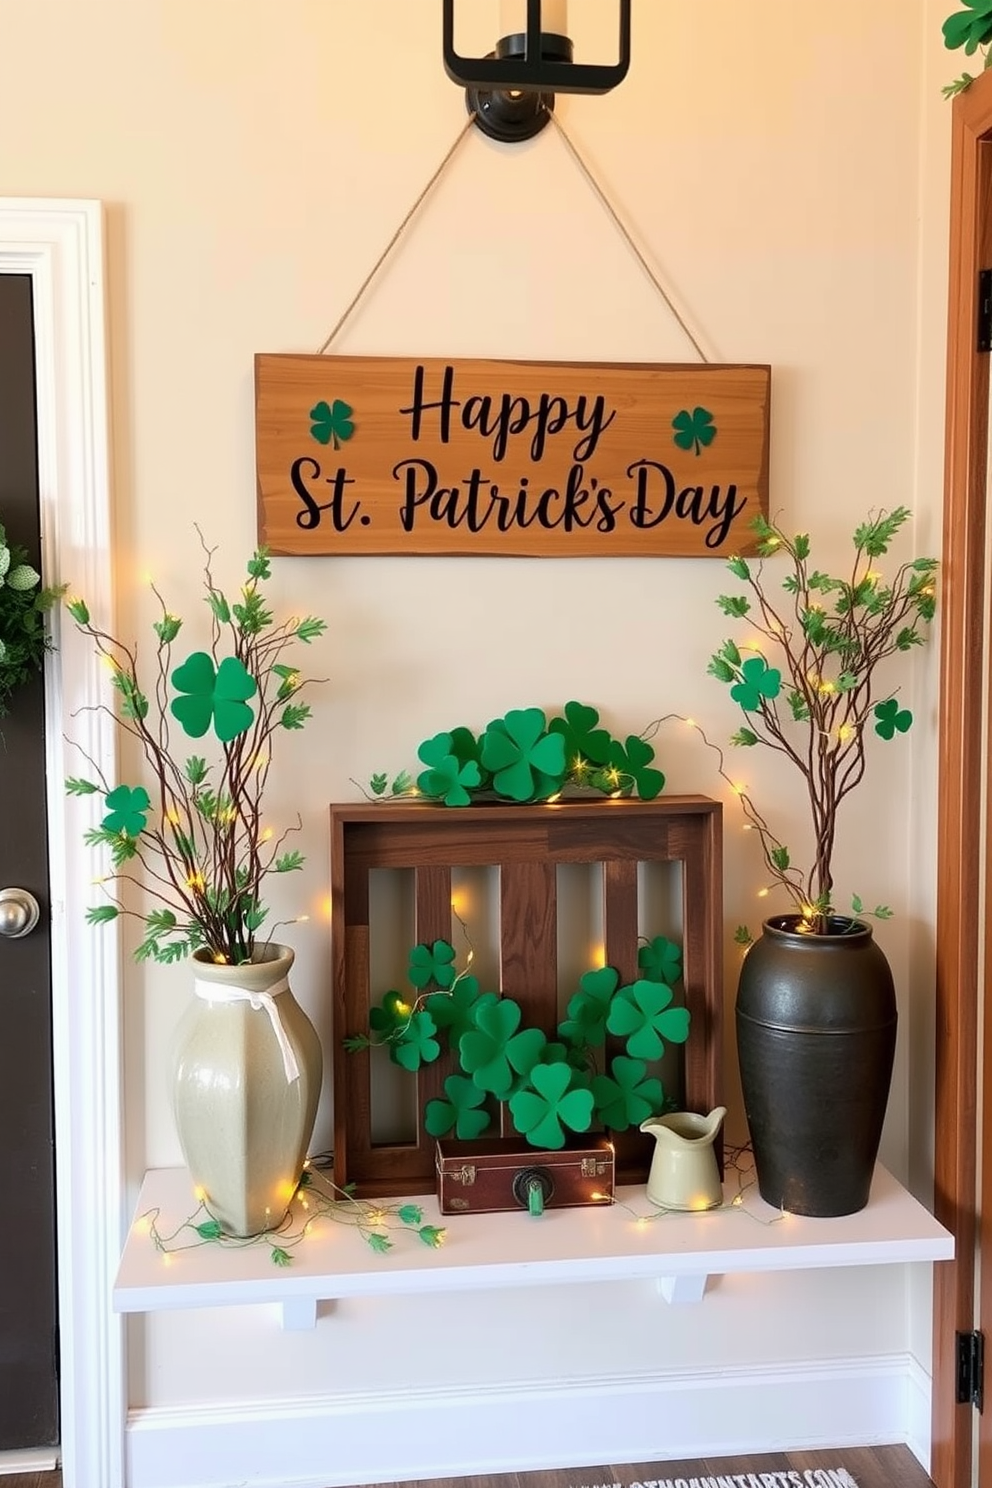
pixel 512 90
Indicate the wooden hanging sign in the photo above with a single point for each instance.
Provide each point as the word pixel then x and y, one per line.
pixel 376 455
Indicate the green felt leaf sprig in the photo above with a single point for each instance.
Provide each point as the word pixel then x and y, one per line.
pixel 194 834
pixel 527 756
pixel 811 678
pixel 551 1087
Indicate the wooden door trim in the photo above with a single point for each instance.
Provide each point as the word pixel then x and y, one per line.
pixel 961 840
pixel 60 245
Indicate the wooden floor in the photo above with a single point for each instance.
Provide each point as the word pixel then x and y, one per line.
pixel 865 1467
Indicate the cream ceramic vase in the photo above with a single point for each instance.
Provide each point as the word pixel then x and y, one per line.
pixel 248 1067
pixel 684 1171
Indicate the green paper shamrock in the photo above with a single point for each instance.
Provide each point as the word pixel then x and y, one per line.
pixel 448 778
pixel 661 961
pixel 891 718
pixel 585 1026
pixel 416 1045
pixel 331 425
pixel 128 810
pixel 213 695
pixel 641 1014
pixel 584 743
pixel 460 1112
pixel 454 1011
pixel 970 28
pixel 493 1050
pixel 758 681
pixel 694 430
pixel 391 1016
pixel 432 964
pixel 625 1098
pixel 527 763
pixel 542 1114
pixel 630 765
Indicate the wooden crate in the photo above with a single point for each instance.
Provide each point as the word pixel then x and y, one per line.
pixel 526 843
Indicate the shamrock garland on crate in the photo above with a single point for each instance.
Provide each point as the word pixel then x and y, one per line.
pixel 526 757
pixel 316 1199
pixel 23 640
pixel 550 1086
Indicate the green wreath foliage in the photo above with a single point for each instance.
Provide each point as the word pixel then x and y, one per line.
pixel 549 1087
pixel 23 639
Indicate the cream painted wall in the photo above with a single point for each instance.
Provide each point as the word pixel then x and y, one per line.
pixel 776 162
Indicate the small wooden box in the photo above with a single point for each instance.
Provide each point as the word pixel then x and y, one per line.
pixel 492 1174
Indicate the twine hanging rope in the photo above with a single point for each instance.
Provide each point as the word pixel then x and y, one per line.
pixel 623 230
pixel 594 185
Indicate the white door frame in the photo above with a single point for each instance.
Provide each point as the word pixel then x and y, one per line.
pixel 60 245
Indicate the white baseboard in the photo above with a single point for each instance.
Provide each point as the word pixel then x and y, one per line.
pixel 433 1433
pixel 919 1395
pixel 30 1460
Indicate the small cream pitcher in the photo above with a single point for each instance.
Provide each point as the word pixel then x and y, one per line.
pixel 684 1172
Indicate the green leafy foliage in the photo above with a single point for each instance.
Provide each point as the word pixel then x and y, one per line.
pixel 202 851
pixel 815 706
pixel 23 604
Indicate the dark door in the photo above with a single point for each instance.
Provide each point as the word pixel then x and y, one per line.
pixel 28 1349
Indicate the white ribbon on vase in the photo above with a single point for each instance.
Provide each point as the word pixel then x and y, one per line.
pixel 260 1001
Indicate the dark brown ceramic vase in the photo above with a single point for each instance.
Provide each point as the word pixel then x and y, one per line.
pixel 816 1035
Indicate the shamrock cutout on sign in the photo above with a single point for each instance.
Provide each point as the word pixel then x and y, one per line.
pixel 527 763
pixel 128 810
pixel 213 694
pixel 891 718
pixel 626 1098
pixel 331 423
pixel 758 680
pixel 542 1114
pixel 694 430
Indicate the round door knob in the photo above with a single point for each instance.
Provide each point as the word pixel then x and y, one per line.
pixel 19 913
